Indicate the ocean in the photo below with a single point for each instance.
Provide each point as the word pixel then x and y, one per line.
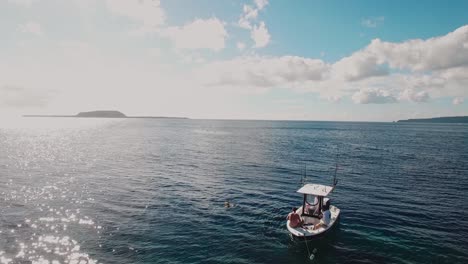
pixel 152 191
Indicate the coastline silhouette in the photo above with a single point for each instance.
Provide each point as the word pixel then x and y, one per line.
pixel 104 114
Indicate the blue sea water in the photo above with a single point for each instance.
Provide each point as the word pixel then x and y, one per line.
pixel 152 191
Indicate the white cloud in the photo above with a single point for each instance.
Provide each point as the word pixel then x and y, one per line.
pixel 155 52
pixel 263 72
pixel 86 5
pixel 359 65
pixel 76 50
pixel 456 73
pixel 240 46
pixel 148 13
pixel 190 57
pixel 150 18
pixel 25 3
pixel 416 55
pixel 19 97
pixel 373 96
pixel 31 27
pixel 244 24
pixel 249 14
pixel 372 22
pixel 435 53
pixel 381 72
pixel 261 3
pixel 333 98
pixel 260 35
pixel 365 76
pixel 83 76
pixel 199 34
pixel 414 96
pixel 458 100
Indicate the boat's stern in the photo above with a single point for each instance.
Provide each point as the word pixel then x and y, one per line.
pixel 307 230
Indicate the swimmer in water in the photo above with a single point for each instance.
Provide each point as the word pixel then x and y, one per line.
pixel 227 204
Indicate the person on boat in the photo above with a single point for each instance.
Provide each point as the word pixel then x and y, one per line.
pixel 326 215
pixel 294 218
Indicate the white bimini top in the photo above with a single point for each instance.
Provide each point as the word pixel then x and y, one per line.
pixel 316 189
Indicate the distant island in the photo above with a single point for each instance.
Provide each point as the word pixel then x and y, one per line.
pixel 103 114
pixel 448 119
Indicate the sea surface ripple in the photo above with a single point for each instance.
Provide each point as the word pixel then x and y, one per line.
pixel 152 191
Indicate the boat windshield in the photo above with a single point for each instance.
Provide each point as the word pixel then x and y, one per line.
pixel 311 205
pixel 311 200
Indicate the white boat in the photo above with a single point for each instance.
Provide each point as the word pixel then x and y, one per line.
pixel 311 212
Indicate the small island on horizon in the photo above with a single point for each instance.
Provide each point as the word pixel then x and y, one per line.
pixel 104 114
pixel 447 119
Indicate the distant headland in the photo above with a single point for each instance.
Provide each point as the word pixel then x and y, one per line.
pixel 448 119
pixel 103 114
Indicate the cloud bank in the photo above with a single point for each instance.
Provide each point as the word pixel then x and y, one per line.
pixel 382 72
pixel 150 56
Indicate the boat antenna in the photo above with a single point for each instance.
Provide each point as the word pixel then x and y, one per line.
pixel 304 174
pixel 335 180
pixel 305 171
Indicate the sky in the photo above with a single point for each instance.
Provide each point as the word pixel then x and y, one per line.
pixel 232 59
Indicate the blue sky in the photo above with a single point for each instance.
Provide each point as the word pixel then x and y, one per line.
pixel 257 59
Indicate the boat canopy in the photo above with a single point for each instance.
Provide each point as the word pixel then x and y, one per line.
pixel 316 189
